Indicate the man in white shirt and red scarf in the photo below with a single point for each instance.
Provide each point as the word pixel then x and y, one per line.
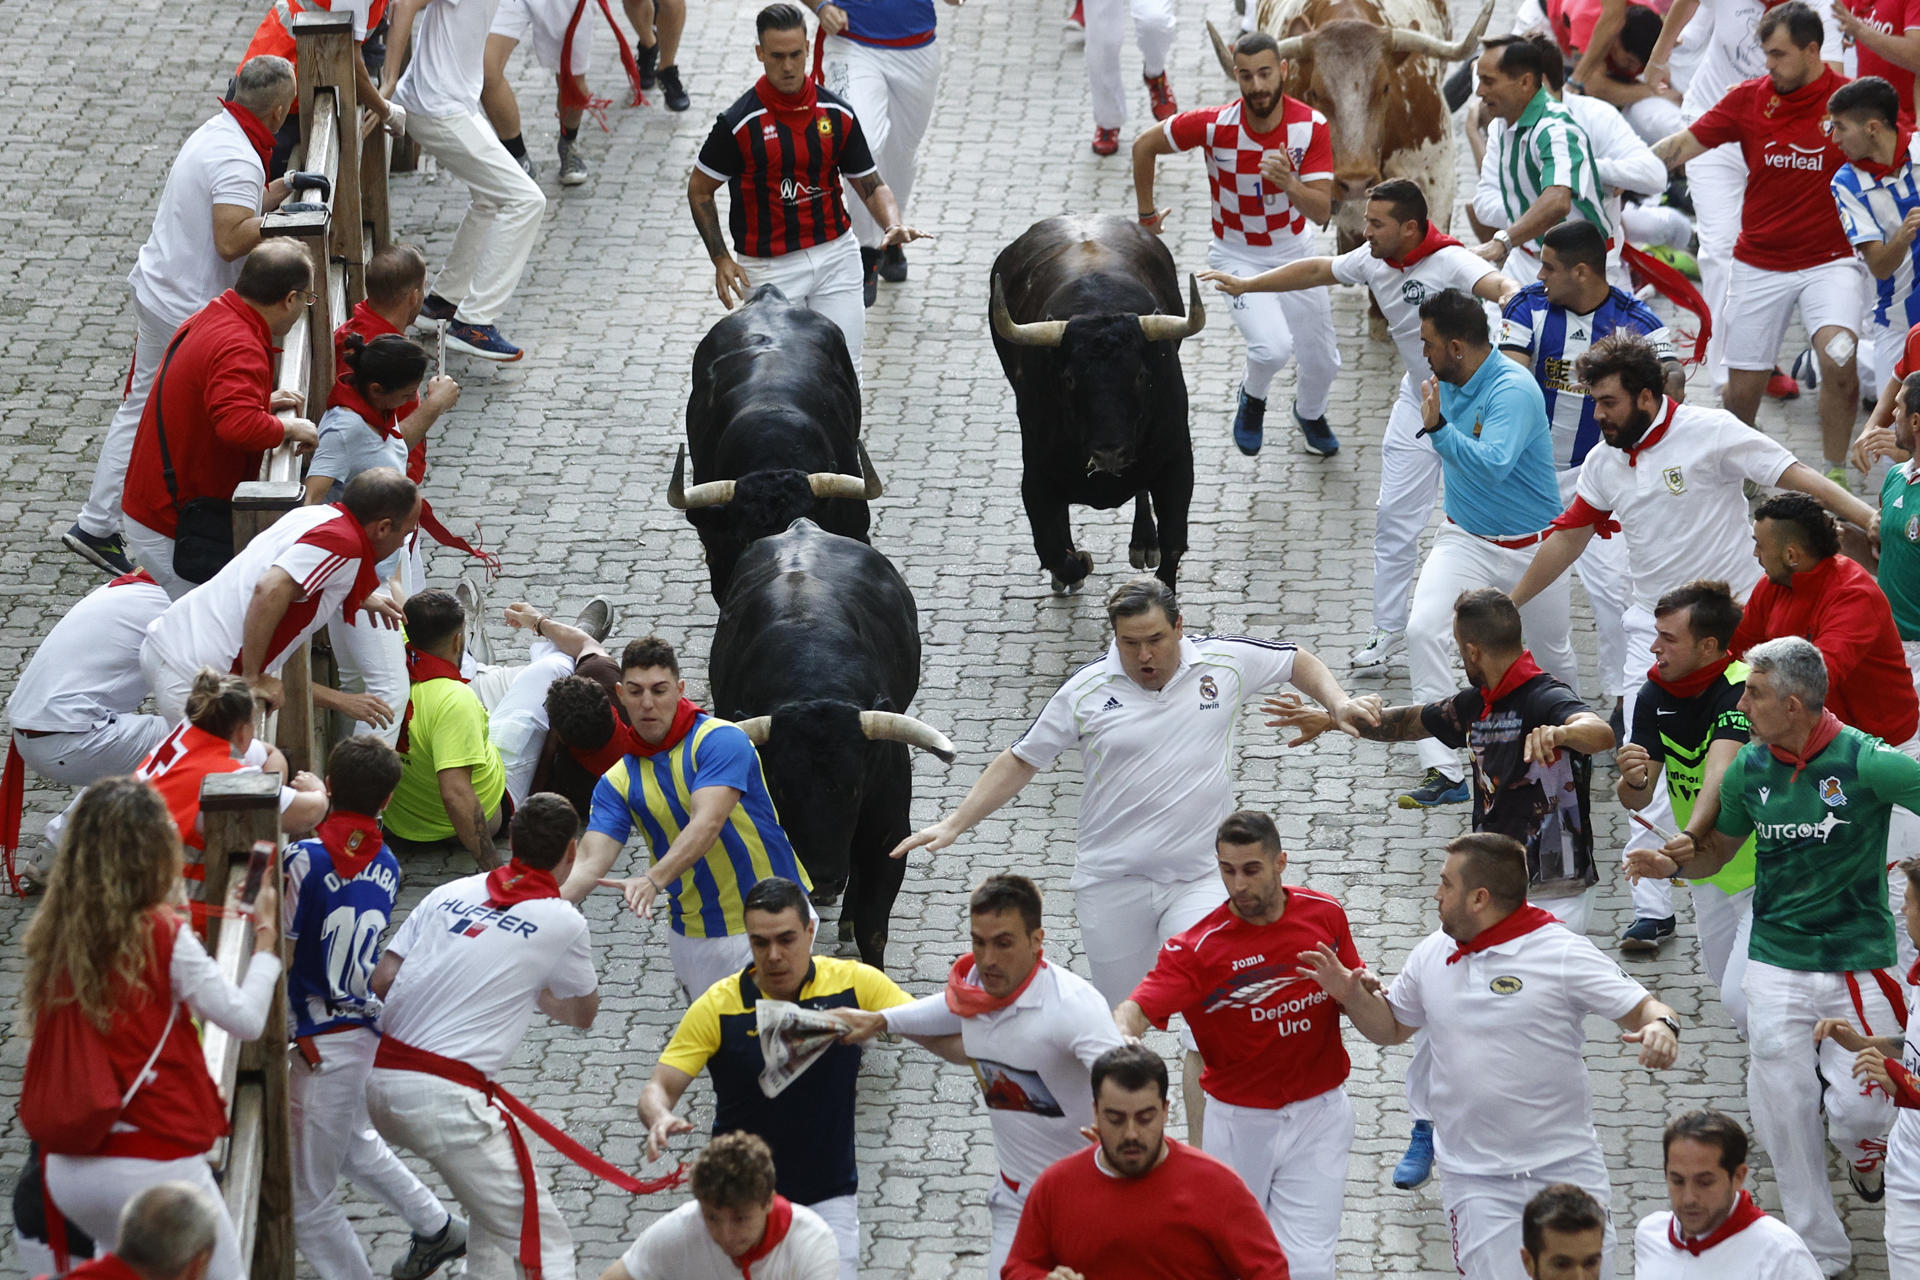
pixel 1714 1228
pixel 1031 1031
pixel 461 982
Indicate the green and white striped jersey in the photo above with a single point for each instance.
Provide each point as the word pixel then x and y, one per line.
pixel 1548 148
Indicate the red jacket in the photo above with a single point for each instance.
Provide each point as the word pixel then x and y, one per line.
pixel 213 395
pixel 1837 605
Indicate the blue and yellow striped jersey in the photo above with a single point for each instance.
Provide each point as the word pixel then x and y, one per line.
pixel 656 792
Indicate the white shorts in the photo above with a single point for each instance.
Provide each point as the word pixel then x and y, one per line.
pixel 544 23
pixel 1827 296
pixel 698 963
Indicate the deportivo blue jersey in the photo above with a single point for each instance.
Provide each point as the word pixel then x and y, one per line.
pixel 1553 338
pixel 1872 209
pixel 335 930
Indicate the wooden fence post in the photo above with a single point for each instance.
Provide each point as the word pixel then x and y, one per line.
pixel 326 61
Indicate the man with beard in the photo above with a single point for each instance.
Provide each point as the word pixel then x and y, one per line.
pixel 1275 1068
pixel 1088 1214
pixel 1714 1227
pixel 1503 991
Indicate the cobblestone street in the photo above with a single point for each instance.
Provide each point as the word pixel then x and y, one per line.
pixel 563 459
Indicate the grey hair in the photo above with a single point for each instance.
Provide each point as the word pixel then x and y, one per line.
pixel 166 1227
pixel 1137 595
pixel 1795 667
pixel 264 84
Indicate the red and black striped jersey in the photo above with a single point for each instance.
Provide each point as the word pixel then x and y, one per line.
pixel 785 181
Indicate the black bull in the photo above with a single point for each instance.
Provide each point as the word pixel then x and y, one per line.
pixel 817 656
pixel 1087 322
pixel 773 423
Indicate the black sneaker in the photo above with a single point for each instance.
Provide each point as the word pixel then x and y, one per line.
pixel 647 58
pixel 437 308
pixel 427 1254
pixel 893 264
pixel 1319 436
pixel 869 275
pixel 108 553
pixel 1646 934
pixel 1869 1178
pixel 672 91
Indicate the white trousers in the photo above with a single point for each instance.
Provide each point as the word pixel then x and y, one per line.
pixel 1124 920
pixel 105 751
pixel 1725 924
pixel 1603 575
pixel 1460 562
pixel 1004 1206
pixel 1106 32
pixel 373 656
pixel 91 1191
pixel 152 550
pixel 1785 1097
pixel 1652 897
pixel 333 1137
pixel 842 1213
pixel 457 1131
pixel 170 685
pixel 1654 118
pixel 891 92
pixel 1717 181
pixel 516 703
pixel 1294 1160
pixel 1409 486
pixel 1280 327
pixel 698 963
pixel 504 211
pixel 1902 1235
pixel 826 277
pixel 100 514
pixel 1483 1214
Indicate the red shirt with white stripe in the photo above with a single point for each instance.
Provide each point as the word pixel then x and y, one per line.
pixel 1246 211
pixel 1268 1037
pixel 326 553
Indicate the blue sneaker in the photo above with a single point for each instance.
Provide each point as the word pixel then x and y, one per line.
pixel 1320 437
pixel 108 553
pixel 1249 423
pixel 1435 788
pixel 437 308
pixel 482 340
pixel 1416 1166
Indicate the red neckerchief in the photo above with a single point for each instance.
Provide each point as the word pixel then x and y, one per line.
pixel 683 718
pixel 345 395
pixel 257 133
pixel 1823 734
pixel 1745 1214
pixel 969 999
pixel 422 667
pixel 624 741
pixel 1518 925
pixel 1524 668
pixel 1652 438
pixel 794 110
pixel 1690 687
pixel 352 838
pixel 518 882
pixel 1434 242
pixel 138 575
pixel 1881 172
pixel 779 1222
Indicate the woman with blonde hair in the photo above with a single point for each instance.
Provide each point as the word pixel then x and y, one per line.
pixel 113 972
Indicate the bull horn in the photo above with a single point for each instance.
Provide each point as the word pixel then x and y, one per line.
pixel 1402 40
pixel 1173 328
pixel 714 493
pixel 1220 50
pixel 890 726
pixel 758 729
pixel 864 487
pixel 1038 333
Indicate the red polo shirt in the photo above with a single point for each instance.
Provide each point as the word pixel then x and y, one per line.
pixel 1837 605
pixel 212 396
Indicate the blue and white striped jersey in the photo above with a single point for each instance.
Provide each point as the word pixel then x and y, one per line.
pixel 1871 210
pixel 1553 338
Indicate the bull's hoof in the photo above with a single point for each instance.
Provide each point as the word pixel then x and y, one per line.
pixel 1144 557
pixel 846 931
pixel 1377 327
pixel 1084 561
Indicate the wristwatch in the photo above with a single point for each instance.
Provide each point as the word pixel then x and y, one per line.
pixel 1506 241
pixel 1673 1025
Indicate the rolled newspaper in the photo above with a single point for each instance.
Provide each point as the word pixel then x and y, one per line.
pixel 791 1040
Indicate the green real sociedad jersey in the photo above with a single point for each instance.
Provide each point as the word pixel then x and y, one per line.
pixel 1900 547
pixel 1677 733
pixel 1820 850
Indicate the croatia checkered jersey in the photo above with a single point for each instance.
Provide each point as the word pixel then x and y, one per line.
pixel 1245 210
pixel 334 926
pixel 1871 211
pixel 1553 339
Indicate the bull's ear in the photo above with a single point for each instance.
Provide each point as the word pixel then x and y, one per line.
pixel 1299 26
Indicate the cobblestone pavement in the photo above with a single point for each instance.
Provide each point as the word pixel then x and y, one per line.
pixel 564 457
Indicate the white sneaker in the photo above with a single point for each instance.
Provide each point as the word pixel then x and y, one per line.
pixel 1380 646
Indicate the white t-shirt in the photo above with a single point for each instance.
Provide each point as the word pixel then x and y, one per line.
pixel 1157 763
pixel 1733 54
pixel 1033 1060
pixel 1506 1026
pixel 178 270
pixel 1400 293
pixel 474 973
pixel 448 58
pixel 1765 1249
pixel 87 670
pixel 206 626
pixel 1680 503
pixel 678 1247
